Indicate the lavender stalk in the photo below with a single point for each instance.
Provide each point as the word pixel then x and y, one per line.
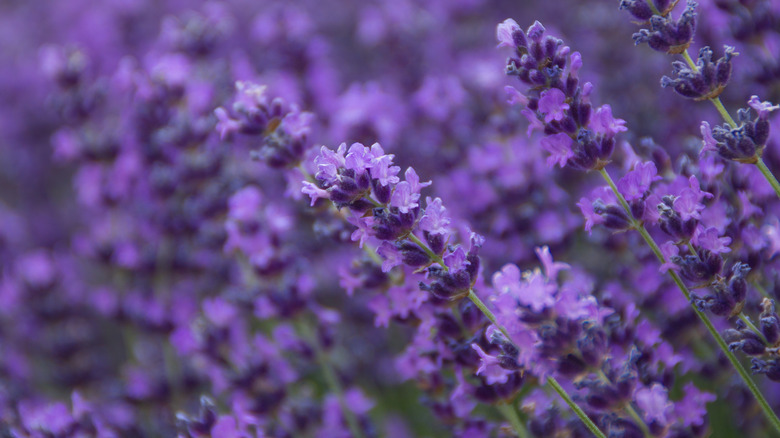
pixel 704 80
pixel 577 139
pixel 743 374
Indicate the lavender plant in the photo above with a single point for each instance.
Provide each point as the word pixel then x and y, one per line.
pixel 742 140
pixel 180 255
pixel 574 140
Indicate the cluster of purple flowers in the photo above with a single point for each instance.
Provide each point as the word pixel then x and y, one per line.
pixel 181 256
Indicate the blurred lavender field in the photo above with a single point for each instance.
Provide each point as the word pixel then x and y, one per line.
pixel 351 219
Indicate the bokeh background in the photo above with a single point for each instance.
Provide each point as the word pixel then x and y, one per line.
pixel 129 287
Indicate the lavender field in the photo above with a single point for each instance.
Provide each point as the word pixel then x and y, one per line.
pixel 407 218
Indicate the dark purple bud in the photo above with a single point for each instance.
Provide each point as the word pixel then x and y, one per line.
pixel 509 363
pixel 412 255
pixel 638 8
pixel 686 25
pixel 435 242
pixel 381 193
pixel 388 225
pixel 266 402
pixel 761 132
pixel 750 344
pixel 550 46
pixel 637 208
pixel 585 110
pixel 518 37
pixel 745 147
pixel 771 368
pixel 570 87
pixel 536 77
pixel 338 196
pixel 732 336
pixel 770 322
pixel 606 146
pixel 360 205
pixel 615 218
pixel 568 124
pixel 737 283
pixel 717 304
pixel 447 286
pixel 536 51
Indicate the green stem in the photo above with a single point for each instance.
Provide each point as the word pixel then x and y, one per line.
pixel 693 251
pixel 730 120
pixel 435 257
pixel 768 175
pixel 577 410
pixel 332 380
pixel 653 8
pixel 715 100
pixel 770 415
pixel 335 387
pixel 638 420
pixel 459 319
pixel 550 380
pixel 760 289
pixel 689 60
pixel 629 409
pixel 371 253
pixel 723 113
pixel 490 316
pixel 510 414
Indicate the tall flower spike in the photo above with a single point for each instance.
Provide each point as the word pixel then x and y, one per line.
pixel 283 129
pixel 577 136
pixel 364 181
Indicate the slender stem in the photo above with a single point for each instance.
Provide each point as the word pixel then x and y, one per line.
pixel 637 419
pixel 693 250
pixel 723 113
pixel 510 414
pixel 715 100
pixel 730 120
pixel 653 8
pixel 760 289
pixel 333 383
pixel 629 409
pixel 490 316
pixel 689 60
pixel 550 380
pixel 371 253
pixel 435 257
pixel 770 415
pixel 768 175
pixel 577 410
pixel 335 387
